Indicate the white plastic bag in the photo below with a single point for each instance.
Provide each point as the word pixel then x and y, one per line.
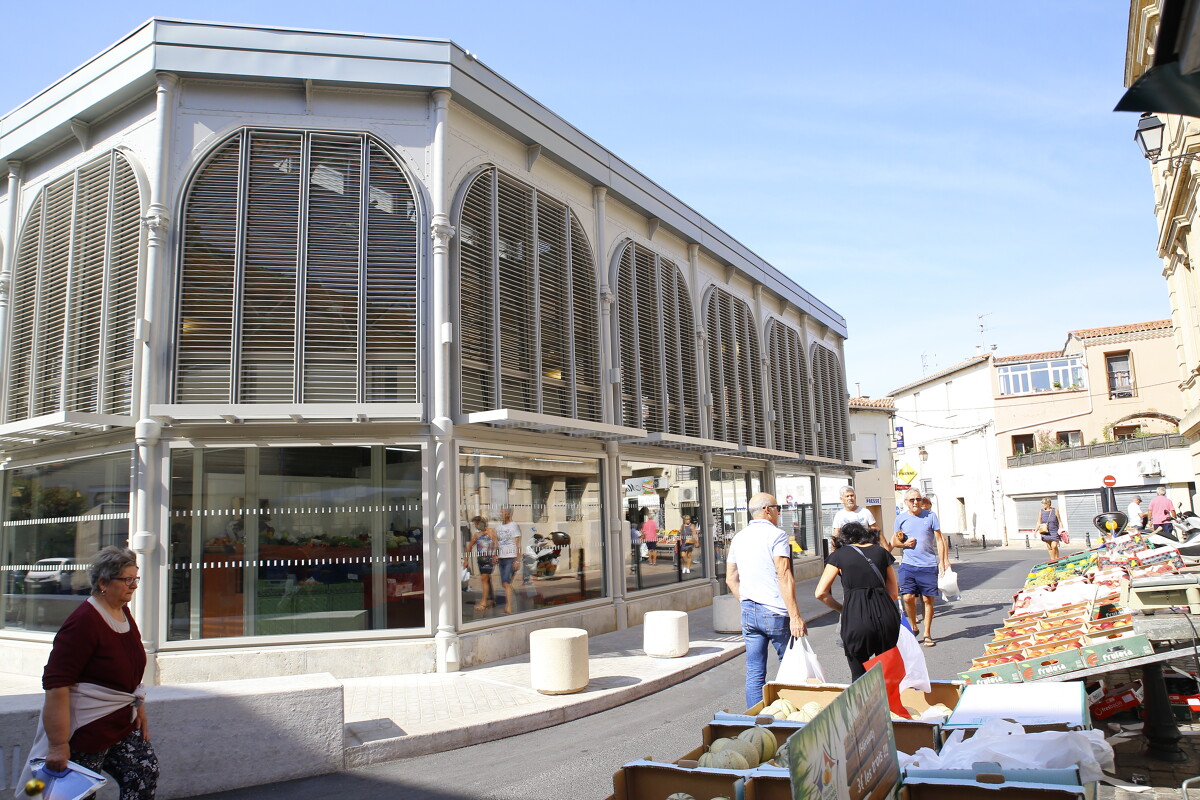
pixel 948 585
pixel 916 671
pixel 465 577
pixel 800 664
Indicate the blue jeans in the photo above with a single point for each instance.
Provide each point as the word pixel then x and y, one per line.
pixel 761 625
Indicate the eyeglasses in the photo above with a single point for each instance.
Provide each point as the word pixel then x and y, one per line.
pixel 913 500
pixel 777 508
pixel 132 583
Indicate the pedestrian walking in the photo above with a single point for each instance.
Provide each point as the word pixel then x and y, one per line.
pixel 484 544
pixel 852 512
pixel 688 541
pixel 1049 526
pixel 870 620
pixel 758 571
pixel 1137 517
pixel 926 556
pixel 650 538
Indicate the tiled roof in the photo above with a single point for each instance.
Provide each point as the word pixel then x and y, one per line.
pixel 867 402
pixel 973 360
pixel 1029 357
pixel 1111 330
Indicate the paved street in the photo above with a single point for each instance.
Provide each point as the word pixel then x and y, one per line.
pixel 577 759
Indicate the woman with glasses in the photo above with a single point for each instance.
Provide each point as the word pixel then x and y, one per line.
pixel 93 714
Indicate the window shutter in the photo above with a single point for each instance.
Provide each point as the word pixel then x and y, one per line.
pixel 300 260
pixel 789 396
pixel 211 249
pixel 528 305
pixel 75 294
pixel 832 404
pixel 476 296
pixel 734 370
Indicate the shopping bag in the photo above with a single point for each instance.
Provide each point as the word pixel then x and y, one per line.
pixel 465 577
pixel 916 671
pixel 1063 537
pixel 799 664
pixel 948 585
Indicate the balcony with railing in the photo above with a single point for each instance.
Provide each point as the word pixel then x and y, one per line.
pixel 1120 384
pixel 1139 444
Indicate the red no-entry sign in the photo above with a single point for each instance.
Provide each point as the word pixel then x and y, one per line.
pixel 1109 480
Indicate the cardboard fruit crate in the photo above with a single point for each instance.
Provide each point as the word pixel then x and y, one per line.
pixel 1044 666
pixel 1113 650
pixel 646 780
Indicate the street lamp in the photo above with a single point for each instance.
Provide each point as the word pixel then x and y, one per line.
pixel 1149 138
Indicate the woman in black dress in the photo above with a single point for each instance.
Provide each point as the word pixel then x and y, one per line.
pixel 870 618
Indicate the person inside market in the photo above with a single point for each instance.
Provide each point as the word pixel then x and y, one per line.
pixel 926 556
pixel 649 533
pixel 758 571
pixel 688 539
pixel 94 713
pixel 852 512
pixel 870 620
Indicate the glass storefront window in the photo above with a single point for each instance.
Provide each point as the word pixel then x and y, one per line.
pixel 662 498
pixel 295 540
pixel 56 518
pixel 799 518
pixel 731 493
pixel 530 531
pixel 831 502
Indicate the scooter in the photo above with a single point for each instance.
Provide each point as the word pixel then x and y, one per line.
pixel 1186 532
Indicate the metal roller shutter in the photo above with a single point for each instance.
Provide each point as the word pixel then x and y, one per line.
pixel 1027 512
pixel 1081 508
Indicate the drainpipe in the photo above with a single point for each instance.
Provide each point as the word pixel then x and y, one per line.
pixel 608 400
pixel 446 561
pixel 147 432
pixel 10 250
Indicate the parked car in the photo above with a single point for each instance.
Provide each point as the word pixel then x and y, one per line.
pixel 51 576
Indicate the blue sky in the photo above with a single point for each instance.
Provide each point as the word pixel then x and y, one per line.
pixel 913 165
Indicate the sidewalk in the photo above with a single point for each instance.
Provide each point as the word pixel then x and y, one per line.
pixel 400 716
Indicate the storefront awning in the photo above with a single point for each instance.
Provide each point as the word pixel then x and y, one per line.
pixel 57 426
pixel 692 443
pixel 547 423
pixel 764 453
pixel 821 461
pixel 225 413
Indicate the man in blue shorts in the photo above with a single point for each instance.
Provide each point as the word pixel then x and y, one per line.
pixel 919 537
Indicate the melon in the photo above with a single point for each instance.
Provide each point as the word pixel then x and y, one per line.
pixel 786 706
pixel 806 712
pixel 729 758
pixel 761 738
pixel 798 716
pixel 718 745
pixel 750 753
pixel 680 796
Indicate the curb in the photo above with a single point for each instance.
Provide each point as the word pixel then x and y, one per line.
pixel 490 727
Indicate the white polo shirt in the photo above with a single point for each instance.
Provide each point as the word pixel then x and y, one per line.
pixel 754 549
pixel 859 514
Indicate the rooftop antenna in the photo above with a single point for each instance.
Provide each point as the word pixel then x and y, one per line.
pixel 982 328
pixel 924 364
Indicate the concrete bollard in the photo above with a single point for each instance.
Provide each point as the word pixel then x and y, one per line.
pixel 727 614
pixel 665 634
pixel 558 660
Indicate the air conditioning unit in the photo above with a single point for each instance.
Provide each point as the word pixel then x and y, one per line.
pixel 1149 466
pixel 688 494
pixel 662 483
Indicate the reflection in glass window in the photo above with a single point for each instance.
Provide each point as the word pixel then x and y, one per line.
pixel 56 518
pixel 530 531
pixel 795 493
pixel 661 511
pixel 295 540
pixel 731 492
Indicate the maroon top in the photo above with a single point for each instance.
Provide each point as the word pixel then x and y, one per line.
pixel 88 650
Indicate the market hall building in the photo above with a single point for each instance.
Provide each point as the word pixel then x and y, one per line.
pixel 375 362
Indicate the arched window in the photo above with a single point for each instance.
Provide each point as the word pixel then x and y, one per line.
pixel 299 280
pixel 528 304
pixel 789 388
pixel 831 404
pixel 74 295
pixel 659 384
pixel 734 371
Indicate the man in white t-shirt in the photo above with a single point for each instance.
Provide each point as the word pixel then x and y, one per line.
pixel 508 537
pixel 1137 517
pixel 852 512
pixel 758 571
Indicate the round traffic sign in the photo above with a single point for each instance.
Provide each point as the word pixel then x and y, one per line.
pixel 790 501
pixel 1109 480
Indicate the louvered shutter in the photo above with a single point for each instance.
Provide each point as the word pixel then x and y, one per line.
pixel 208 286
pixel 832 404
pixel 331 292
pixel 120 304
pixel 24 314
pixel 267 340
pixel 392 288
pixel 585 336
pixel 528 306
pixel 788 382
pixel 476 296
pixel 74 294
pixel 657 345
pixel 300 274
pixel 734 370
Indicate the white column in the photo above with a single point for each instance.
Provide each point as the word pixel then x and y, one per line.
pixel 151 346
pixel 444 456
pixel 10 250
